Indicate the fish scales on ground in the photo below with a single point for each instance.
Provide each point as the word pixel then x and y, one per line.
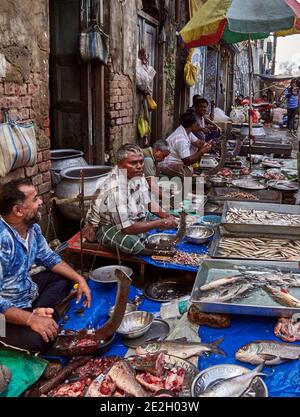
pixel 238 215
pixel 235 386
pixel 268 352
pixel 181 348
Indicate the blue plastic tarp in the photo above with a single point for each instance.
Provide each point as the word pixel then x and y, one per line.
pixel 282 380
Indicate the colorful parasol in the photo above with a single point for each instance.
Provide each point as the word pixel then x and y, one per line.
pixel 233 21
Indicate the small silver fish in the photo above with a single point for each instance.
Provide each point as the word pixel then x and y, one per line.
pixel 181 348
pixel 233 387
pixel 268 352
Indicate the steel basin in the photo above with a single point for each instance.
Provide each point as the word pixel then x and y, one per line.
pixel 69 187
pixel 62 159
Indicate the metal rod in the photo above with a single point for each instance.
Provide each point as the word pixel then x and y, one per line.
pixel 82 218
pixel 250 99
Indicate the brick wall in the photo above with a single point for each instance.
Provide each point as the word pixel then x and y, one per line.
pixel 119 119
pixel 24 80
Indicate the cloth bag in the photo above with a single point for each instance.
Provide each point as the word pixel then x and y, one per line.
pixel 94 44
pixel 18 146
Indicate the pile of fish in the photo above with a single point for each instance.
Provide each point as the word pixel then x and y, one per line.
pixel 268 352
pixel 241 285
pixel 237 215
pixel 182 258
pixel 241 196
pixel 262 248
pixel 235 386
pixel 139 377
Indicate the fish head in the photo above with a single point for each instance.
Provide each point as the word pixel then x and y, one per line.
pixel 247 353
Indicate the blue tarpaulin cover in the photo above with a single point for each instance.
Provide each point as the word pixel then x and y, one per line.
pixel 282 380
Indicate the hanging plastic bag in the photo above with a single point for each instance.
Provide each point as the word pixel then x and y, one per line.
pixel 151 103
pixel 190 71
pixel 143 127
pixel 144 76
pixel 94 44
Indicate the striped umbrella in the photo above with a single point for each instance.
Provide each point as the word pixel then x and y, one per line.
pixel 236 20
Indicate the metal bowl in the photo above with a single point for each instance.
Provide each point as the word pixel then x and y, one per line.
pixel 129 308
pixel 218 181
pixel 198 234
pixel 106 274
pixel 157 238
pixel 135 324
pixel 210 376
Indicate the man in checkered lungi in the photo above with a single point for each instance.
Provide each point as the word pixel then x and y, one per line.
pixel 120 216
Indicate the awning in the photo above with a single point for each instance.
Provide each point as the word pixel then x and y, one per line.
pixel 274 78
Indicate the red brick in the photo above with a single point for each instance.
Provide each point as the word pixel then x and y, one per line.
pixel 44 188
pixel 118 106
pixel 21 90
pixel 113 99
pixel 26 101
pixel 126 120
pixel 32 88
pixel 24 114
pixel 115 92
pixel 119 122
pixel 32 114
pixel 13 102
pixel 124 113
pixel 44 166
pixel 39 157
pixel 46 155
pixel 4 102
pixel 44 142
pixel 10 89
pixel 47 177
pixel 114 84
pixel 31 171
pixel 47 122
pixel 113 114
pixel 37 180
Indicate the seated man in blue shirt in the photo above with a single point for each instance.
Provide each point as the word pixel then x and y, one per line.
pixel 28 303
pixel 292 97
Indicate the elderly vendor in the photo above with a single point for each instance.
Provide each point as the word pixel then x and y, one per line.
pixel 119 217
pixel 28 303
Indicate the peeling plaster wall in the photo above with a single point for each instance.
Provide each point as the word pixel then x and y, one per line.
pixel 24 79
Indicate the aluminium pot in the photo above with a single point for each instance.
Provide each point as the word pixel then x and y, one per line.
pixel 258 130
pixel 70 187
pixel 62 159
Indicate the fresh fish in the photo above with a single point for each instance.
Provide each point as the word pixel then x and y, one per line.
pixel 221 282
pixel 229 294
pixel 233 387
pixel 154 364
pixel 268 352
pixel 282 296
pixel 124 377
pixel 181 348
pixel 181 229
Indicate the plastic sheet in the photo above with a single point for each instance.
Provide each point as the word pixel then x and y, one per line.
pixel 282 380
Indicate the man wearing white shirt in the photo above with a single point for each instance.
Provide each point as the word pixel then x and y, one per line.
pixel 185 148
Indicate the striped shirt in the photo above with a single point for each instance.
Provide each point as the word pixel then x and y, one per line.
pixel 119 201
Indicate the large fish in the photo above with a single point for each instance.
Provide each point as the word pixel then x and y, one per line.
pixel 221 282
pixel 181 348
pixel 233 387
pixel 228 294
pixel 268 352
pixel 124 377
pixel 282 296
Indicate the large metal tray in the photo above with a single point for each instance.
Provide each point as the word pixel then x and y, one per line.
pixel 266 196
pixel 221 232
pixel 261 228
pixel 258 303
